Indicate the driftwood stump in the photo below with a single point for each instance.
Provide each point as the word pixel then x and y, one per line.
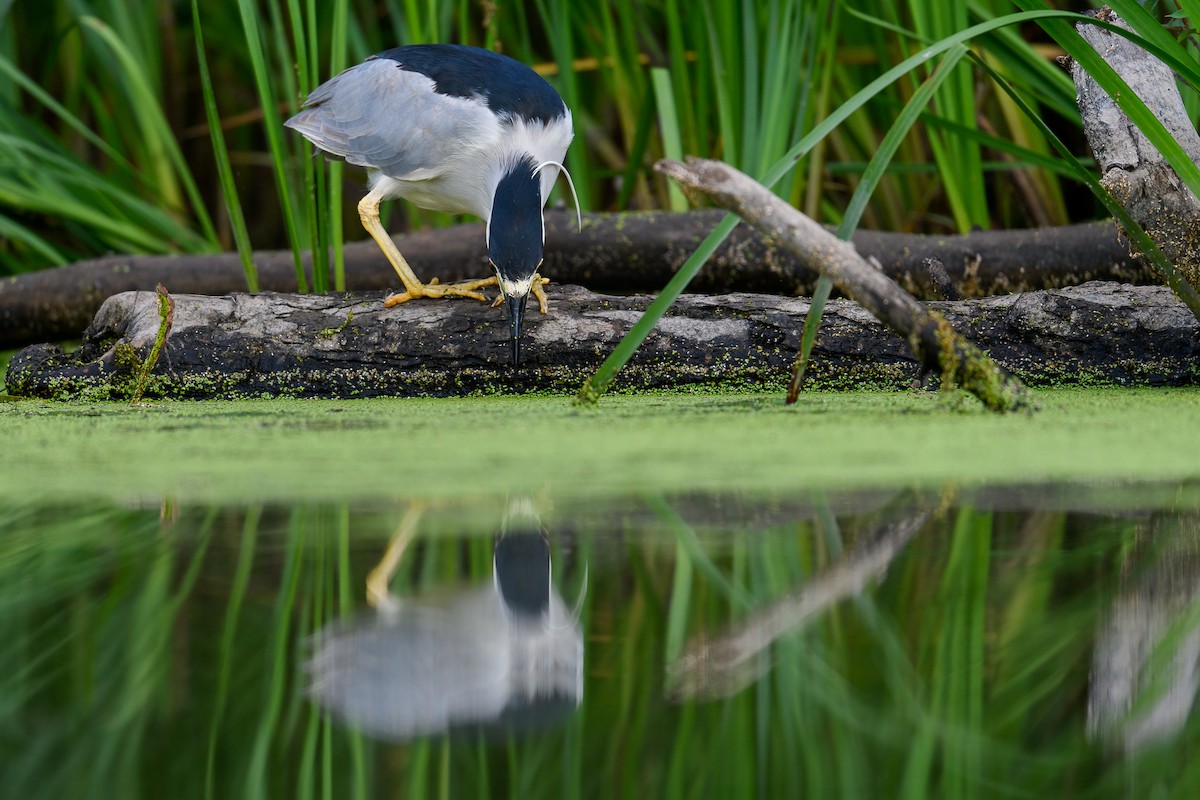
pixel 351 346
pixel 1131 168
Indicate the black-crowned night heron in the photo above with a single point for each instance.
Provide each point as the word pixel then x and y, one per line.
pixel 457 129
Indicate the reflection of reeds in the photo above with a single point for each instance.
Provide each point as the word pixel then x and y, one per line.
pixel 133 657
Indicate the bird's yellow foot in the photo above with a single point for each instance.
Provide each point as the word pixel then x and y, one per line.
pixel 536 289
pixel 435 289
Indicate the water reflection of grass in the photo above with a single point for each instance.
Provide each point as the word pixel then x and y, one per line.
pixel 151 658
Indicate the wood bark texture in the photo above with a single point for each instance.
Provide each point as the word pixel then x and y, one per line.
pixel 1132 170
pixel 349 345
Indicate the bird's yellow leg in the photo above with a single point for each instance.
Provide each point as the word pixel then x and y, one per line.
pixel 368 212
pixel 538 292
pixel 380 578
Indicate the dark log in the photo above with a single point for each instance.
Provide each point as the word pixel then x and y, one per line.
pixel 940 348
pixel 613 253
pixel 351 346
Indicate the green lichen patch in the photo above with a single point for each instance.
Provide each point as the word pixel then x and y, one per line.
pixel 330 332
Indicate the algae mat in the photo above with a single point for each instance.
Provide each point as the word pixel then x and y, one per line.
pixel 385 449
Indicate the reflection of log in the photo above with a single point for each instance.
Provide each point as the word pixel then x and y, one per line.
pixel 938 345
pixel 722 664
pixel 614 252
pixel 350 346
pixel 1146 664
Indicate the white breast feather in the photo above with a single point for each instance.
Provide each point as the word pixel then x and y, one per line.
pixel 466 183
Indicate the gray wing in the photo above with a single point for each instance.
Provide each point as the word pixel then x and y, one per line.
pixel 379 116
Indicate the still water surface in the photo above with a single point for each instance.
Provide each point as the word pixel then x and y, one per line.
pixel 1036 641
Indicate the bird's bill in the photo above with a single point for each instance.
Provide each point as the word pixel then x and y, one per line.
pixel 516 315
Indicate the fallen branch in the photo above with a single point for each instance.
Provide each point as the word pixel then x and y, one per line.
pixel 620 253
pixel 929 334
pixel 339 345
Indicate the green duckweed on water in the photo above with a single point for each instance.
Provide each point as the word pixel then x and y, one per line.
pixel 389 448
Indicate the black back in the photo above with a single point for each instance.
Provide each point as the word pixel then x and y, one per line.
pixel 508 87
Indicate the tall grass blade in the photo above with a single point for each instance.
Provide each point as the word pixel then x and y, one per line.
pixel 668 121
pixel 233 205
pixel 15 232
pixel 257 774
pixel 337 62
pixel 557 17
pixel 273 127
pixel 50 182
pixel 44 98
pixel 237 595
pixel 959 160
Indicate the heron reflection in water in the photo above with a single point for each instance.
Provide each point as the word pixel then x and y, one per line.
pixel 502 656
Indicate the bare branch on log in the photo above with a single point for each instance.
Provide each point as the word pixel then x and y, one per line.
pixel 620 253
pixel 931 337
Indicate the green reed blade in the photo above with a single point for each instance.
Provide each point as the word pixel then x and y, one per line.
pixel 233 204
pixel 256 779
pixel 668 121
pixel 722 72
pixel 273 127
pixel 15 232
pixel 337 62
pixel 19 79
pixel 233 614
